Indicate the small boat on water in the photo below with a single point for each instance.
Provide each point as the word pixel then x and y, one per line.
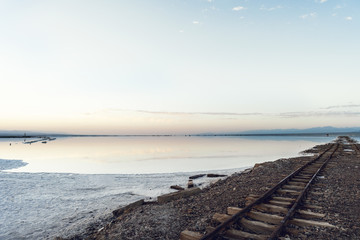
pixel 43 142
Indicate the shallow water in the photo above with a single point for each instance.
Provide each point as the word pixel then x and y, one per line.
pixel 138 155
pixel 46 205
pixel 48 197
pixel 357 138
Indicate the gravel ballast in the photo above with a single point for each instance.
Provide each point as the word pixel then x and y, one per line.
pixel 340 201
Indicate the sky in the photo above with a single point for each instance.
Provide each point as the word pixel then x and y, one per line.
pixel 178 66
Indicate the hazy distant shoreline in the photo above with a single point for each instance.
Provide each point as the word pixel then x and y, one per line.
pixel 315 131
pixel 331 134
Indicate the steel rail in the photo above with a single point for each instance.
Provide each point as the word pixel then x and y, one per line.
pixel 356 146
pixel 275 234
pixel 264 197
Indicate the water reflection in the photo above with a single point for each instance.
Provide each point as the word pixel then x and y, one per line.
pixel 122 155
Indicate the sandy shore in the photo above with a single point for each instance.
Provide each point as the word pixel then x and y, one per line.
pixel 166 220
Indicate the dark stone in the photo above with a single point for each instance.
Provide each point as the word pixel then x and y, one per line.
pixel 133 205
pixel 176 187
pixel 197 176
pixel 211 175
pixel 190 183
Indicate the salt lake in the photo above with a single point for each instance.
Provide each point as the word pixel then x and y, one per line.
pixel 62 186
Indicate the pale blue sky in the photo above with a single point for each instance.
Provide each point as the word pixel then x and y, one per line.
pixel 130 67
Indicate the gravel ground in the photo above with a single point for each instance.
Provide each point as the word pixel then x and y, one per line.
pixel 340 201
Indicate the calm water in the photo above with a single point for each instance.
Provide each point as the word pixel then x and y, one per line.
pixel 47 198
pixel 138 155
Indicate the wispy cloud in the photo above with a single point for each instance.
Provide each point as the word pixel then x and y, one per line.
pixel 196 22
pixel 348 18
pixel 344 106
pixel 338 7
pixel 238 8
pixel 264 8
pixel 109 110
pixel 200 113
pixel 309 15
pixel 233 115
pixel 211 8
pixel 319 114
pixel 321 1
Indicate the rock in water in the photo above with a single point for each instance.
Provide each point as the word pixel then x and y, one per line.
pixel 190 183
pixel 197 176
pixel 176 187
pixel 211 175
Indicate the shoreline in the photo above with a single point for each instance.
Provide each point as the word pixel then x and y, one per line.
pixel 93 231
pixel 97 231
pixel 270 134
pixel 153 220
pixel 80 201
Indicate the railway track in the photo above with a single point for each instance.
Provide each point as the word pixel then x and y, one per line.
pixel 266 216
pixel 354 144
pixel 351 145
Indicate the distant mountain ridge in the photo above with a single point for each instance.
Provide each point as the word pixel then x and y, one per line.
pixel 21 133
pixel 311 131
pixel 15 133
pixel 327 129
